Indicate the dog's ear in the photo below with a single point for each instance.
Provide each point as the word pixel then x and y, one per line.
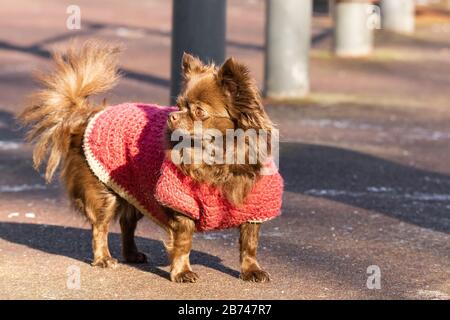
pixel 232 76
pixel 190 65
pixel 246 106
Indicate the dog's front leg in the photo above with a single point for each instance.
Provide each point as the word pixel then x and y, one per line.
pixel 248 242
pixel 181 230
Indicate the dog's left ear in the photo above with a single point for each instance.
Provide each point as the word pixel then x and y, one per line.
pixel 190 65
pixel 246 106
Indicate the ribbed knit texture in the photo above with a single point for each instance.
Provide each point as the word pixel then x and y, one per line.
pixel 124 148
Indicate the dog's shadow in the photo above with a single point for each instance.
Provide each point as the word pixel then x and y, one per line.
pixel 76 243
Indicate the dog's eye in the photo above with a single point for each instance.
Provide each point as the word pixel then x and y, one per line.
pixel 199 113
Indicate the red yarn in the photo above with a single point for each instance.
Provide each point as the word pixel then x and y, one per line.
pixel 124 148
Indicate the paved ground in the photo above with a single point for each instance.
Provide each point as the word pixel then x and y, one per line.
pixel 365 159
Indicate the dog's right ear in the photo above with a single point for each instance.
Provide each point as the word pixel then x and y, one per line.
pixel 190 65
pixel 246 106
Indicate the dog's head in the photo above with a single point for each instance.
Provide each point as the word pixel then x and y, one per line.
pixel 220 98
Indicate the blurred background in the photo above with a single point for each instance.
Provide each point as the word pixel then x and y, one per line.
pixel 360 91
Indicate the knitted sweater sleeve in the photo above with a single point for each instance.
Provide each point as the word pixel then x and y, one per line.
pixel 209 208
pixel 176 191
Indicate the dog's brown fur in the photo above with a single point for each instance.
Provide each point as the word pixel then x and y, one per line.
pixel 227 99
pixel 58 116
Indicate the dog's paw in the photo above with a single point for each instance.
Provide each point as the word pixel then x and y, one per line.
pixel 105 262
pixel 135 257
pixel 185 276
pixel 255 276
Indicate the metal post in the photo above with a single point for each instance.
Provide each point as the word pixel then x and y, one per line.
pixel 198 28
pixel 288 38
pixel 398 15
pixel 353 34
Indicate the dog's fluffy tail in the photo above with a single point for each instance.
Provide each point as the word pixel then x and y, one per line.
pixel 58 112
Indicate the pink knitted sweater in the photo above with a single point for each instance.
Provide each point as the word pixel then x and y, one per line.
pixel 124 144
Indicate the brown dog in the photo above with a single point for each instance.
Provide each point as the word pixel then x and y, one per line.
pixel 58 116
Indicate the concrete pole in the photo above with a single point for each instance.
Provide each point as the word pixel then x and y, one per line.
pixel 198 28
pixel 398 15
pixel 288 39
pixel 353 34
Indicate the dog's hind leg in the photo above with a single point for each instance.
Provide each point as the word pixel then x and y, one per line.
pixel 105 211
pixel 94 200
pixel 129 216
